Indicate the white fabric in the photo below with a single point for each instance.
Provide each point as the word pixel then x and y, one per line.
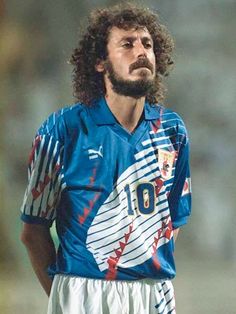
pixel 76 295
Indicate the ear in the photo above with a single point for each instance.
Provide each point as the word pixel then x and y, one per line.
pixel 99 67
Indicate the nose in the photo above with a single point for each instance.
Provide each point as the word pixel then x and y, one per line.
pixel 140 50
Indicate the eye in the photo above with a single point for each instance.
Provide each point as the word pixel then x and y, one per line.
pixel 147 45
pixel 127 44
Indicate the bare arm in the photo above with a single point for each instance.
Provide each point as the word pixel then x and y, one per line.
pixel 41 251
pixel 175 231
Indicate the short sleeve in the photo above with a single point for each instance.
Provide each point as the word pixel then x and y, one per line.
pixel 45 180
pixel 180 194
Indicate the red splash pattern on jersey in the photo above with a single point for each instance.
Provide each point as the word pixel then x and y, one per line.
pixel 34 148
pixel 42 184
pixel 166 232
pixel 159 184
pixel 92 178
pixel 49 208
pixel 186 187
pixel 113 261
pixel 88 209
pixel 157 124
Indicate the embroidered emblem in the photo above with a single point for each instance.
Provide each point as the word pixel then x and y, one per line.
pixel 187 187
pixel 166 161
pixel 95 153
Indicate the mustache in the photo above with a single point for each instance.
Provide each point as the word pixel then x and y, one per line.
pixel 140 64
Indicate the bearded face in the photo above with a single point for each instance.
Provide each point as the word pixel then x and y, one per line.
pixel 131 65
pixel 133 88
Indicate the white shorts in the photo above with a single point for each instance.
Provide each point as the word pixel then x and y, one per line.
pixel 76 295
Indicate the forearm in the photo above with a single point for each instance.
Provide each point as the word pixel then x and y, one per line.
pixel 41 258
pixel 41 250
pixel 175 233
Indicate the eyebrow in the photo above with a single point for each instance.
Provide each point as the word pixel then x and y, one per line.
pixel 133 38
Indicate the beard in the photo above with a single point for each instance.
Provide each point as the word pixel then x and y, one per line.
pixel 135 89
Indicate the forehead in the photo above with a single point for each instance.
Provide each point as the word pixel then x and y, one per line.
pixel 116 34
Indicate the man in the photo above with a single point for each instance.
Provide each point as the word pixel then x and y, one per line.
pixel 113 172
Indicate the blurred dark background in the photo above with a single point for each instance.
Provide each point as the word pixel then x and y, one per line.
pixel 36 41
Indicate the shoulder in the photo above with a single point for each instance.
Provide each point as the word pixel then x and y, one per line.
pixel 170 118
pixel 61 121
pixel 173 125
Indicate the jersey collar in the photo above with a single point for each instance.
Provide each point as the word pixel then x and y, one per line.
pixel 102 115
pixel 151 112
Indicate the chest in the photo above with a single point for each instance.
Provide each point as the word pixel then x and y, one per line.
pixel 100 157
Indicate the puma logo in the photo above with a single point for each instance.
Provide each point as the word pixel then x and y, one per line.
pixel 95 153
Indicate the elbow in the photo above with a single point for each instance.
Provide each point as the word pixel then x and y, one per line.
pixel 27 235
pixel 25 238
pixel 32 234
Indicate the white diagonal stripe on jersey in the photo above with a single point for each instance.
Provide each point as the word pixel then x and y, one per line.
pixel 33 178
pixel 137 232
pixel 168 120
pixel 53 190
pixel 44 159
pixel 117 201
pixel 158 139
pixel 146 161
pixel 145 253
pixel 106 228
pixel 151 149
pixel 35 165
pixel 136 260
pixel 132 175
pixel 122 205
pixel 139 247
pixel 112 203
pixel 112 216
pixel 41 202
pixel 119 196
pixel 161 130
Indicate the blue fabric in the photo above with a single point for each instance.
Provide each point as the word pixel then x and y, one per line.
pixel 115 196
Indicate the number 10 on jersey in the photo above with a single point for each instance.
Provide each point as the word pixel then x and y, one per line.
pixel 145 195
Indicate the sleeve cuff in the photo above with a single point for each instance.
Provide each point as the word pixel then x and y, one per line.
pixel 180 222
pixel 36 220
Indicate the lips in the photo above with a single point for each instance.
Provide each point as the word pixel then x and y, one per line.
pixel 141 63
pixel 142 68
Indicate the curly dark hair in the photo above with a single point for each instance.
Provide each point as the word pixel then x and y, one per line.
pixel 87 82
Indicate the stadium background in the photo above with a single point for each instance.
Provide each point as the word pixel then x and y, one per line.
pixel 36 40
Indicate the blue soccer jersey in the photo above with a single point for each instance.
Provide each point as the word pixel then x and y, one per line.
pixel 115 196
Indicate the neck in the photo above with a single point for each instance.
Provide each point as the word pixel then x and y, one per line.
pixel 127 110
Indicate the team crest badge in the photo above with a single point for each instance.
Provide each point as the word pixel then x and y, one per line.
pixel 166 161
pixel 187 187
